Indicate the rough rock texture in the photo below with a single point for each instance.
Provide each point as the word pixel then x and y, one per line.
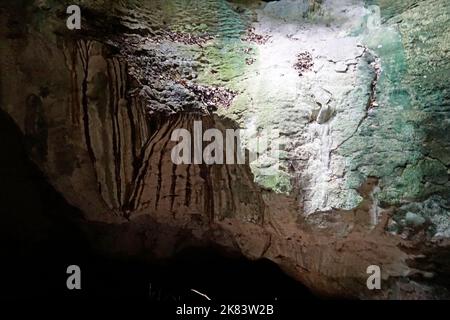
pixel 363 176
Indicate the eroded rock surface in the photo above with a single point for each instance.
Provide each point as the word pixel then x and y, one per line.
pixel 363 172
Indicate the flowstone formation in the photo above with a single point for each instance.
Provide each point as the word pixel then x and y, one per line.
pixel 352 97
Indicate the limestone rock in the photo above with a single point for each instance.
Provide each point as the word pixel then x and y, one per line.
pixel 359 186
pixel 341 67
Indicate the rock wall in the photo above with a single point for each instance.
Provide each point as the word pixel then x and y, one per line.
pixel 363 178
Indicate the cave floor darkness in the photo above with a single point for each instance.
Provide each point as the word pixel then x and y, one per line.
pixel 38 242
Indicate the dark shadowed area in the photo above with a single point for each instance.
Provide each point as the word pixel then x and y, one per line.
pixel 39 240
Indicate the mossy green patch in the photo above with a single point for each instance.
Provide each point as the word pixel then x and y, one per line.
pixel 278 181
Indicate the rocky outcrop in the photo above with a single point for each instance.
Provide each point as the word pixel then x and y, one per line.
pixel 363 175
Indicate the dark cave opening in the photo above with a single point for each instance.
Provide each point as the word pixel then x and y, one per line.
pixel 39 241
